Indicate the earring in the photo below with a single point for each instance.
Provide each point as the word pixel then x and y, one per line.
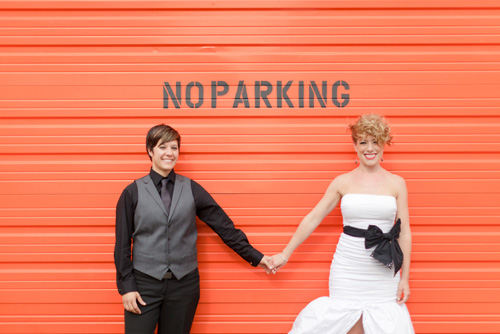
pixel 382 159
pixel 356 161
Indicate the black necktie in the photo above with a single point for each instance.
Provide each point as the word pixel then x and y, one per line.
pixel 165 195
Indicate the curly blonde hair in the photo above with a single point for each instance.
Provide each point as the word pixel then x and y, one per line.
pixel 371 125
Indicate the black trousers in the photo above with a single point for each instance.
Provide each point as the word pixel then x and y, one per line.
pixel 170 304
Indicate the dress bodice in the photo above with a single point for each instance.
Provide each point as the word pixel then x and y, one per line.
pixel 361 210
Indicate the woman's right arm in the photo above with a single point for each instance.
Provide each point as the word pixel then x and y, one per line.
pixel 123 235
pixel 310 222
pixel 124 228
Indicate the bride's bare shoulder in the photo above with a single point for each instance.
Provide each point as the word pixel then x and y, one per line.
pixel 341 182
pixel 397 183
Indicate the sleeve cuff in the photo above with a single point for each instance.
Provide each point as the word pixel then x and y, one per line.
pixel 127 286
pixel 255 258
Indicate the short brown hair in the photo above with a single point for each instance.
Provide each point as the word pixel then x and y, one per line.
pixel 161 133
pixel 372 125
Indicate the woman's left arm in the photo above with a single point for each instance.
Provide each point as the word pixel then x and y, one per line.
pixel 404 240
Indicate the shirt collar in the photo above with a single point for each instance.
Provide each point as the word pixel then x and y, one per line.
pixel 157 177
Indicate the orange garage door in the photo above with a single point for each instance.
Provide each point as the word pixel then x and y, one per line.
pixel 262 92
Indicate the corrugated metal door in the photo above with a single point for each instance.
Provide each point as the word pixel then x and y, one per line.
pixel 82 81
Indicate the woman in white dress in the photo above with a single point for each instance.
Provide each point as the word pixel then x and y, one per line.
pixel 370 268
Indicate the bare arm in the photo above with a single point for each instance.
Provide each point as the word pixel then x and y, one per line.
pixel 327 203
pixel 404 240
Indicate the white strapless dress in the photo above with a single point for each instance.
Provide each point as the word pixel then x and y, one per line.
pixel 359 284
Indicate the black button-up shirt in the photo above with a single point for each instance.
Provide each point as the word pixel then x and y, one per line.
pixel 207 210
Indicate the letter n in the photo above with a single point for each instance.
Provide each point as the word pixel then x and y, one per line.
pixel 176 98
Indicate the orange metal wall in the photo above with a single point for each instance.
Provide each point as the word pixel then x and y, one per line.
pixel 82 81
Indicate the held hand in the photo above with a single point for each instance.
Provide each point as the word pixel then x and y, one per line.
pixel 403 292
pixel 130 302
pixel 266 264
pixel 278 261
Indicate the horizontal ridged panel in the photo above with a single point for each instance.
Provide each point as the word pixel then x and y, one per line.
pixel 81 82
pixel 239 4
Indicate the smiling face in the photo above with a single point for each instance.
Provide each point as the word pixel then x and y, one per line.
pixel 164 157
pixel 369 150
pixel 163 144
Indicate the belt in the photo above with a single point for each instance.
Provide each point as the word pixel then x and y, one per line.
pixel 387 251
pixel 169 275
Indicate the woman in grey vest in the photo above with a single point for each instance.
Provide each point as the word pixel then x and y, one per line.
pixel 159 282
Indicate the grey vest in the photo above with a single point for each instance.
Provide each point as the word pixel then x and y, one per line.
pixel 164 242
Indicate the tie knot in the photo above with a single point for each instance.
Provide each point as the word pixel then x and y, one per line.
pixel 164 181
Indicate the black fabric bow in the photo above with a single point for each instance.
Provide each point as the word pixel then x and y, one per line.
pixel 387 250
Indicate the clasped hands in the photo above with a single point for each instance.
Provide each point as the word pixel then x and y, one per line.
pixel 271 264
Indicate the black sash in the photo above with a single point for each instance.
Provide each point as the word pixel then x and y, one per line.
pixel 387 251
